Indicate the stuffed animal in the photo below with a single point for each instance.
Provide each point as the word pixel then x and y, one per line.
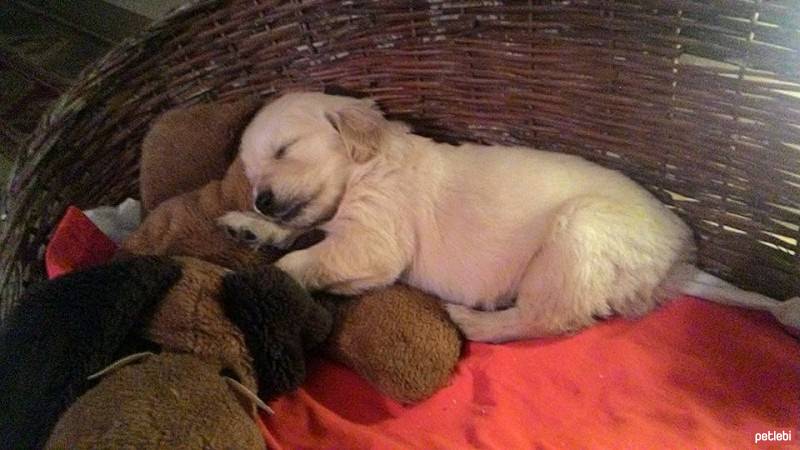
pixel 407 354
pixel 257 323
pixel 169 400
pixel 63 331
pixel 398 338
pixel 204 138
pixel 253 330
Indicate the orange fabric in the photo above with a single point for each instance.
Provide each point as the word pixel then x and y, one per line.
pixel 693 374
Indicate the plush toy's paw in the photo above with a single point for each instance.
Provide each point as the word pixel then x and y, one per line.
pixel 251 229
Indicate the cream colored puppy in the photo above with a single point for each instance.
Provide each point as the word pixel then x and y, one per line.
pixel 519 242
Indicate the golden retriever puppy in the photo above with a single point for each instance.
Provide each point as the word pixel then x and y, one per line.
pixel 519 242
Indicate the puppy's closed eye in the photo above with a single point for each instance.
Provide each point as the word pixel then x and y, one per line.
pixel 281 152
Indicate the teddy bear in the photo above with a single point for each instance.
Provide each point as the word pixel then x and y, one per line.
pixel 397 338
pixel 250 329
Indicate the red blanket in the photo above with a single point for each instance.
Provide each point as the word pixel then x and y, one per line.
pixel 691 375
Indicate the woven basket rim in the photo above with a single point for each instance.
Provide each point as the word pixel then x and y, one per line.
pixel 93 85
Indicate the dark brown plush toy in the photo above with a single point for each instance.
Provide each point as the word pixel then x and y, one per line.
pixel 399 338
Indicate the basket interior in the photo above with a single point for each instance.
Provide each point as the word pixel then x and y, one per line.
pixel 697 101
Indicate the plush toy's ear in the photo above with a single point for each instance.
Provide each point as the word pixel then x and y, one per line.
pixel 317 325
pixel 63 331
pixel 259 304
pixel 314 318
pixel 362 128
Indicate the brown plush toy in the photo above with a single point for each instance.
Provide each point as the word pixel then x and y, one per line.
pixel 252 330
pixel 223 336
pixel 231 317
pixel 177 159
pixel 191 319
pixel 399 338
pixel 169 400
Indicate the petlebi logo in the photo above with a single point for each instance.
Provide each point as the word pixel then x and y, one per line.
pixel 773 436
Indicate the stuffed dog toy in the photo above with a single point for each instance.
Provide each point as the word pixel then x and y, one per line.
pixel 258 324
pixel 399 338
pixel 63 331
pixel 407 354
pixel 169 400
pixel 252 330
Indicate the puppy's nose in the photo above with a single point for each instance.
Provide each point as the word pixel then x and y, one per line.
pixel 265 202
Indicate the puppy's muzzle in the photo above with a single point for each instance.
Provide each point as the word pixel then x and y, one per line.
pixel 265 203
pixel 269 206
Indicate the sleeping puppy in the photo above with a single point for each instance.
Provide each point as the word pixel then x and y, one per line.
pixel 521 243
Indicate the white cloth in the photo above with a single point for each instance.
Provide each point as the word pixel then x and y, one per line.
pixel 117 222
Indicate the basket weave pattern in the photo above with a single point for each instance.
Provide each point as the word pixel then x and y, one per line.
pixel 698 101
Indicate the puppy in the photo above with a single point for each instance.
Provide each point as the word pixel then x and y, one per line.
pixel 521 243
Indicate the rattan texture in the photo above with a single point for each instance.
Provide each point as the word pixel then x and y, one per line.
pixel 697 100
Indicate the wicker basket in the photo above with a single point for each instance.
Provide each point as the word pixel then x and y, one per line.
pixel 698 101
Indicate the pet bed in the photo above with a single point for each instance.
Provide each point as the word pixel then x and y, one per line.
pixel 698 101
pixel 691 375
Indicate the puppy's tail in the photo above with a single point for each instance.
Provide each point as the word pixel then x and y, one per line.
pixel 701 284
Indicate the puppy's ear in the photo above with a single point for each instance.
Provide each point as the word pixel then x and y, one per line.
pixel 362 128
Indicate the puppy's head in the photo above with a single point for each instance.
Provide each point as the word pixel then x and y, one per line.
pixel 301 149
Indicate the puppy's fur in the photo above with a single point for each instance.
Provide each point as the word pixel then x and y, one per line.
pixel 553 239
pixel 372 331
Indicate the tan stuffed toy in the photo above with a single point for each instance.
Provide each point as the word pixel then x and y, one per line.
pixel 169 400
pixel 399 338
pixel 226 316
pixel 251 329
pixel 229 341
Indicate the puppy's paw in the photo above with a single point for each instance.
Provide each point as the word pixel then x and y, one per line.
pixel 255 231
pixel 469 323
pixel 236 228
pixel 297 265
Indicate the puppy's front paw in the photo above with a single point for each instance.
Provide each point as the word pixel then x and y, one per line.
pixel 236 228
pixel 255 231
pixel 296 265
